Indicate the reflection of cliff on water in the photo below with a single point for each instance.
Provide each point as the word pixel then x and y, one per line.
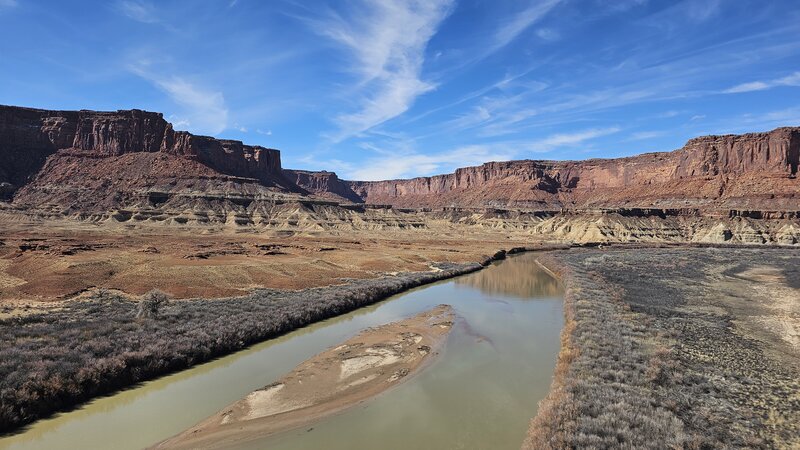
pixel 520 276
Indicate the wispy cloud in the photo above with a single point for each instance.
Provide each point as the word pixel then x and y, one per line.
pixel 386 42
pixel 548 34
pixel 570 139
pixel 138 10
pixel 521 22
pixel 621 5
pixel 701 10
pixel 645 135
pixel 790 80
pixel 8 4
pixel 512 115
pixel 650 77
pixel 761 121
pixel 400 159
pixel 669 114
pixel 202 110
pixel 771 119
pixel 205 109
pixel 413 164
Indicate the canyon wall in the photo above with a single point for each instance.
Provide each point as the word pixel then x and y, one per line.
pixel 745 170
pixel 29 136
pixel 323 184
pixel 105 161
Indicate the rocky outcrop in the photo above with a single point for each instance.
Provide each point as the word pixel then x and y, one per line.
pixel 775 152
pixel 29 136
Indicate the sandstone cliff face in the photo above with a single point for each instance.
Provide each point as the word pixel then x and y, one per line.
pixel 28 136
pixel 86 162
pixel 775 152
pixel 723 170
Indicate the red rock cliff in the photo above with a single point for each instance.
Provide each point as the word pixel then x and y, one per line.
pixel 323 183
pixel 28 136
pixel 740 171
pixel 754 171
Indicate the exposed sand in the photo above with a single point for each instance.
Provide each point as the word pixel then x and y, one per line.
pixel 773 306
pixel 375 360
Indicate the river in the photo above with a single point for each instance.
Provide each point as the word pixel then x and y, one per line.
pixel 480 392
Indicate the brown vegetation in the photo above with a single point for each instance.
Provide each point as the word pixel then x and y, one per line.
pixel 53 360
pixel 658 354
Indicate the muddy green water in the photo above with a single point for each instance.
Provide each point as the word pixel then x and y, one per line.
pixel 479 393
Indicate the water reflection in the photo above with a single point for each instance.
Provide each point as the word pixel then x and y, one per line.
pixel 524 278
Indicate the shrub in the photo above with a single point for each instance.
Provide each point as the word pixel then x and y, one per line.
pixel 150 303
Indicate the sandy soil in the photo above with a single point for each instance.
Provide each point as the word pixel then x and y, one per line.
pixel 773 307
pixel 375 360
pixel 57 262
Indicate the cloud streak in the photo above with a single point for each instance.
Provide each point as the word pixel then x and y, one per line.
pixel 790 80
pixel 413 164
pixel 386 43
pixel 202 110
pixel 570 139
pixel 701 10
pixel 138 10
pixel 401 160
pixel 521 22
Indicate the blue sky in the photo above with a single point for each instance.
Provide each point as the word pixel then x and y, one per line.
pixel 391 89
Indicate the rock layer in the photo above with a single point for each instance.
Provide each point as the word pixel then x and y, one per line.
pixel 132 167
pixel 29 136
pixel 757 169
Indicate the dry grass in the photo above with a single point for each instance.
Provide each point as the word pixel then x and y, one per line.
pixel 652 357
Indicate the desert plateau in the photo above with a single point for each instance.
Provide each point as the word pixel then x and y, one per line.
pixel 445 224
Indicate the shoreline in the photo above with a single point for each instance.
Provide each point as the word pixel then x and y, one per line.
pixel 341 299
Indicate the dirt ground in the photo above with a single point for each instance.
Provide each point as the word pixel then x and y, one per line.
pixel 52 262
pixel 375 360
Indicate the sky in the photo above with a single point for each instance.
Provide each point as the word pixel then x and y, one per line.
pixel 402 88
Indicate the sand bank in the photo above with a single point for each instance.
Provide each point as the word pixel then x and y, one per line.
pixel 373 361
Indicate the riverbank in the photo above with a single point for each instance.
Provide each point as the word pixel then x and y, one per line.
pixel 507 345
pixel 377 359
pixel 54 360
pixel 679 348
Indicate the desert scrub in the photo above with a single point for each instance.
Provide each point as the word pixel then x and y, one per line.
pixel 659 350
pixel 54 360
pixel 150 303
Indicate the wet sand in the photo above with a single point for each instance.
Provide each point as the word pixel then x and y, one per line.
pixel 375 360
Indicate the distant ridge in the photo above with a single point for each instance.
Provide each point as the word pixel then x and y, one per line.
pixel 88 161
